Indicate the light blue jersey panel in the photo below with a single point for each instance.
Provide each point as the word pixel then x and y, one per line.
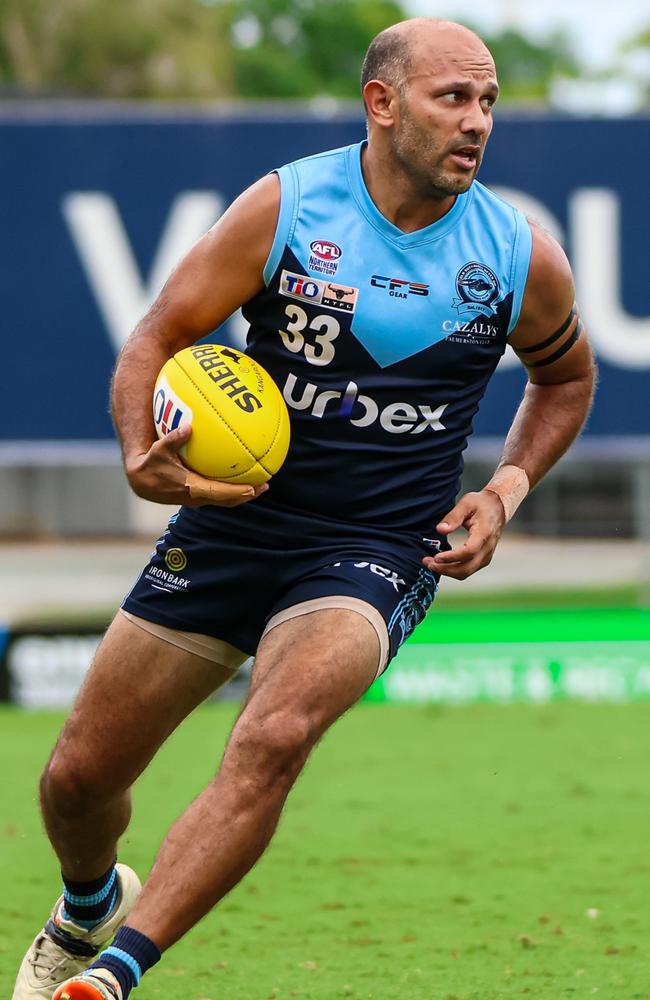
pixel 383 341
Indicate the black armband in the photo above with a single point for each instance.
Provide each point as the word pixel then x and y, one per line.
pixel 554 336
pixel 566 346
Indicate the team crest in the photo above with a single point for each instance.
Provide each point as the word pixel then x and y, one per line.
pixel 478 289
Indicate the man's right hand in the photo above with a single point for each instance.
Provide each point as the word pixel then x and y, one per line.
pixel 159 475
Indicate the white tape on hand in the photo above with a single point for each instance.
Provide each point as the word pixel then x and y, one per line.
pixel 510 483
pixel 214 491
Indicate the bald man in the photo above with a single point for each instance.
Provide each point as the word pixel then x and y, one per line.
pixel 382 283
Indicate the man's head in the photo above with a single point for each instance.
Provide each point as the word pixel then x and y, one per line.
pixel 428 87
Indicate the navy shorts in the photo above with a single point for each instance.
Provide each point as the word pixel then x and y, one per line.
pixel 228 572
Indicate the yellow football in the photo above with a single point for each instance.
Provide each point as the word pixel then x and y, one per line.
pixel 240 422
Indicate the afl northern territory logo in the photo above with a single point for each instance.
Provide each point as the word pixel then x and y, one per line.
pixel 477 287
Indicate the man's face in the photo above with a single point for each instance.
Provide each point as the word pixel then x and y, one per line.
pixel 445 119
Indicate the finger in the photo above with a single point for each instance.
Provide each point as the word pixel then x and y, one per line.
pixel 459 555
pixel 475 543
pixel 456 516
pixel 175 440
pixel 476 548
pixel 461 568
pixel 456 557
pixel 214 491
pixel 460 572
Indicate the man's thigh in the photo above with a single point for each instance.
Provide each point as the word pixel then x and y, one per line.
pixel 138 689
pixel 313 667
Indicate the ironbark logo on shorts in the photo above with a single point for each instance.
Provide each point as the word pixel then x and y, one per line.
pixel 477 287
pixel 175 560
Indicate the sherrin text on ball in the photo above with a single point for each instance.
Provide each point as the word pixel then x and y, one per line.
pixel 240 423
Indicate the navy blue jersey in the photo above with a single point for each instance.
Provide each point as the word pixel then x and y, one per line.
pixel 382 342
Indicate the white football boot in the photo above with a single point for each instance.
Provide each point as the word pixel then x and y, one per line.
pixel 62 950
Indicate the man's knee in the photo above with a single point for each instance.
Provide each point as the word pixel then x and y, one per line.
pixel 69 786
pixel 275 745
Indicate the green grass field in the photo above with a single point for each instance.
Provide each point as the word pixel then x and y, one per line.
pixel 426 854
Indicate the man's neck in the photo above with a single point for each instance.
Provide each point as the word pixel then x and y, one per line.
pixel 396 195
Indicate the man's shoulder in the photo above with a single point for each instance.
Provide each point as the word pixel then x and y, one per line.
pixel 328 158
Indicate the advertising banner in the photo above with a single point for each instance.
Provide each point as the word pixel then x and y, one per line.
pixel 42 666
pixel 453 658
pixel 458 658
pixel 98 206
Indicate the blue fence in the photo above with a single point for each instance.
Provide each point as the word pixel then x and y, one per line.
pixel 96 210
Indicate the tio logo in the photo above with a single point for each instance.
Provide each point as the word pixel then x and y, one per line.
pixel 296 284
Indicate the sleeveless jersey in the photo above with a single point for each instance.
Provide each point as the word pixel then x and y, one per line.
pixel 381 341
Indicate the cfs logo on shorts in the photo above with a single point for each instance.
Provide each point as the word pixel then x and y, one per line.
pixel 169 411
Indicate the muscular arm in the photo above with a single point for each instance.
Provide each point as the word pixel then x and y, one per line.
pixel 551 343
pixel 223 271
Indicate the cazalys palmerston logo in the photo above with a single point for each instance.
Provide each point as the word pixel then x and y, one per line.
pixel 477 287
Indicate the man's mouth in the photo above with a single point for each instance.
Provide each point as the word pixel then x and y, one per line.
pixel 466 156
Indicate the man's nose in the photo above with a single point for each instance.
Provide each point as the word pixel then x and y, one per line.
pixel 475 120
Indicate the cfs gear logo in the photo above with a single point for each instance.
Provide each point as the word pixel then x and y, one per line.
pixel 305 289
pixel 396 418
pixel 399 288
pixel 477 287
pixel 324 256
pixel 175 560
pixel 169 410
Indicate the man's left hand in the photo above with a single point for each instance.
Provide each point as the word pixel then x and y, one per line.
pixel 483 517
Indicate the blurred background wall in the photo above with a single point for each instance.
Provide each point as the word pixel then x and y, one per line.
pixel 127 127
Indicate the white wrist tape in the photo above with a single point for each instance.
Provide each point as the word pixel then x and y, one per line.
pixel 510 483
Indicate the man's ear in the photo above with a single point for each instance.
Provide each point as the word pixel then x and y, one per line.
pixel 380 100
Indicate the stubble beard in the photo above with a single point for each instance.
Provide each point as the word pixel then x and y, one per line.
pixel 420 158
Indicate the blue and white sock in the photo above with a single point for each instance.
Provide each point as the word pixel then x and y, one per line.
pixel 88 903
pixel 128 958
